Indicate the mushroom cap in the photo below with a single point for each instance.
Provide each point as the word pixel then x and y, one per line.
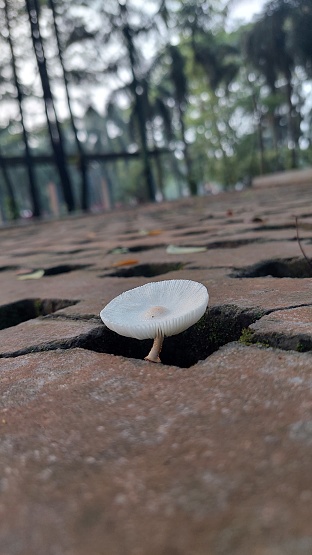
pixel 157 308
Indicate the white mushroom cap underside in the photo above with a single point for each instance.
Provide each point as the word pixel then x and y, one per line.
pixel 157 308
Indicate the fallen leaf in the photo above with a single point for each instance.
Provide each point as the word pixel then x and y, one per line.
pixel 128 262
pixel 36 274
pixel 155 232
pixel 150 232
pixel 119 250
pixel 173 249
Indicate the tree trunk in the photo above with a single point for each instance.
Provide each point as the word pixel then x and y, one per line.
pixel 291 127
pixel 13 207
pixel 33 191
pixel 160 174
pixel 225 164
pixel 147 170
pixel 261 147
pixel 82 164
pixel 259 134
pixel 274 128
pixel 191 182
pixel 139 106
pixel 53 123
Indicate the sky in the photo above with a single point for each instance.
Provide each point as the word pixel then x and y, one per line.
pixel 245 9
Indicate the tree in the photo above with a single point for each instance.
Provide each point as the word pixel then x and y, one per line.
pixel 177 74
pixel 81 163
pixel 137 90
pixel 171 78
pixel 220 61
pixel 297 15
pixel 36 210
pixel 55 132
pixel 118 29
pixel 12 202
pixel 268 50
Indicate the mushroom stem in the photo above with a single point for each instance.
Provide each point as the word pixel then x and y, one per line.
pixel 153 355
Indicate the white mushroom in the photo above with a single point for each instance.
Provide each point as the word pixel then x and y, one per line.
pixel 156 310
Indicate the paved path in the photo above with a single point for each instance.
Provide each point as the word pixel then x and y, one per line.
pixel 209 453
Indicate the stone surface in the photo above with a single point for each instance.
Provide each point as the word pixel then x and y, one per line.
pixel 156 459
pixel 287 329
pixel 102 453
pixel 42 334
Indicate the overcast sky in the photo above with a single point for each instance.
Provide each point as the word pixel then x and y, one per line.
pixel 245 9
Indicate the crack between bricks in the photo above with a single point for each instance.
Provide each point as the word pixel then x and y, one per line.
pixel 92 339
pixel 283 308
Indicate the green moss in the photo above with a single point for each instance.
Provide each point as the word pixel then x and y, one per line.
pixel 300 348
pixel 246 336
pixel 38 307
pixel 264 344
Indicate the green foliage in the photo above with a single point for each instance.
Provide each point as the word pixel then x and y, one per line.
pixel 225 105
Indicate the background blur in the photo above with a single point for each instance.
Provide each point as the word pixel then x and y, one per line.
pixel 119 102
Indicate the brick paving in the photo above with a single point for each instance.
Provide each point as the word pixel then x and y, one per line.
pixel 209 453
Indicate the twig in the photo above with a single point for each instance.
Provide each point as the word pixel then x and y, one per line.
pixel 300 245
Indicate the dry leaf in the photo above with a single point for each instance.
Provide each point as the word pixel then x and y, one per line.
pixel 128 262
pixel 150 232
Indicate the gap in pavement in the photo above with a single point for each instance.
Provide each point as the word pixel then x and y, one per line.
pixel 17 312
pixel 279 268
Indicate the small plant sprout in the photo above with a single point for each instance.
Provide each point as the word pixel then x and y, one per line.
pixel 156 310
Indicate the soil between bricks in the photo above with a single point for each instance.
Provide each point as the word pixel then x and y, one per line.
pixel 110 454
